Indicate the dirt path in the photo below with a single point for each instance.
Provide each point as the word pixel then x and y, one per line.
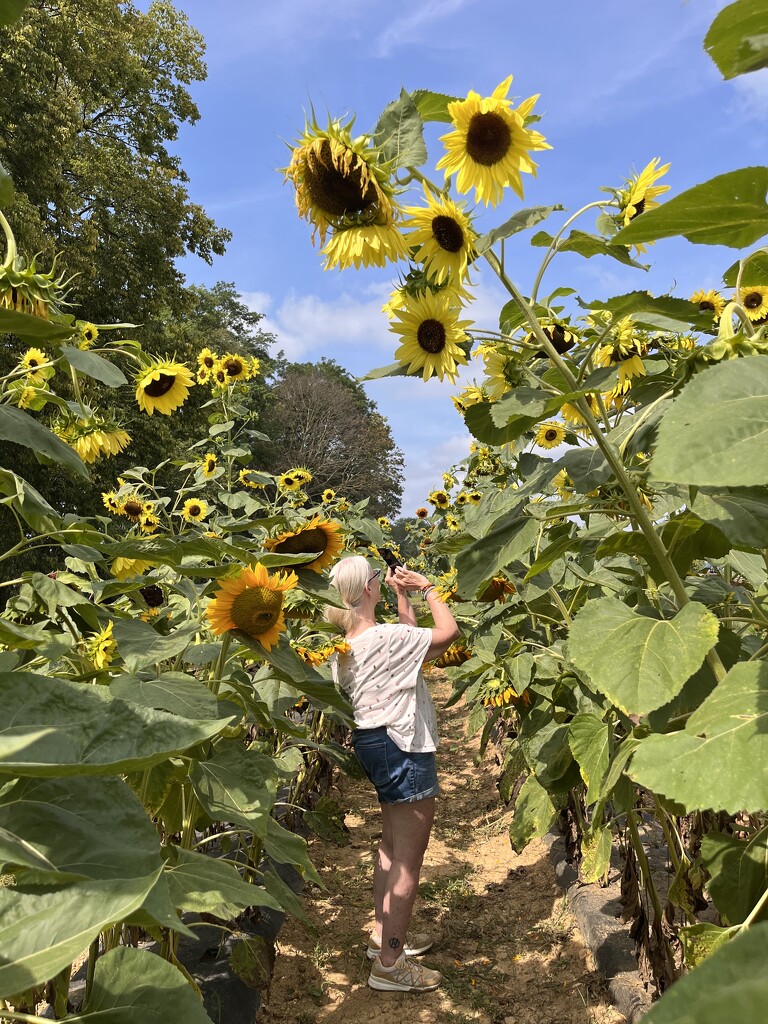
pixel 506 945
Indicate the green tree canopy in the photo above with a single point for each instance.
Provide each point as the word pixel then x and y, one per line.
pixel 93 92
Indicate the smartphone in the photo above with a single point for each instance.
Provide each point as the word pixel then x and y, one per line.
pixel 389 557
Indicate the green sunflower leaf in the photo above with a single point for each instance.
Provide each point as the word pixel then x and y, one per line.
pixel 399 133
pixel 587 245
pixel 433 106
pixel 83 730
pixel 391 370
pixel 95 366
pixel 479 561
pixel 534 814
pixel 713 763
pixel 660 312
pixel 26 326
pixel 10 11
pixel 740 513
pixel 207 885
pixel 738 870
pixel 132 985
pixel 29 503
pixel 731 984
pixel 729 209
pixel 140 644
pixel 714 433
pixel 589 739
pixel 639 663
pixel 236 785
pixel 737 40
pixel 755 271
pixel 176 692
pixel 21 428
pixel 519 221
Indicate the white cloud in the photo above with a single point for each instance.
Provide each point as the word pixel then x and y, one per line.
pixel 752 95
pixel 425 466
pixel 409 28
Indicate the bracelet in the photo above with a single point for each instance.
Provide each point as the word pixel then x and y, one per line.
pixel 427 590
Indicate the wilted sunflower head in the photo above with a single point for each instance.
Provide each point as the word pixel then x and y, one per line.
pixel 163 386
pixel 490 144
pixel 340 181
pixel 252 602
pixel 432 336
pixel 320 537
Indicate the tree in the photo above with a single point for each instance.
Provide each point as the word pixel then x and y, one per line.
pixel 320 417
pixel 93 91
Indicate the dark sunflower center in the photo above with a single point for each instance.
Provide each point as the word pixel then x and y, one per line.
pixel 233 367
pixel 706 307
pixel 431 336
pixel 753 300
pixel 133 508
pixel 88 334
pixel 448 233
pixel 314 540
pixel 209 362
pixel 639 207
pixel 550 435
pixel 257 609
pixel 152 594
pixel 194 510
pixel 488 138
pixel 33 363
pixel 221 375
pixel 161 386
pixel 210 465
pixel 337 192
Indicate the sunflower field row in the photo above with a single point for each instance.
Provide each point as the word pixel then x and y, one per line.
pixel 606 539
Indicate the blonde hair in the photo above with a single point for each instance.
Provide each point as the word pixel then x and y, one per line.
pixel 349 577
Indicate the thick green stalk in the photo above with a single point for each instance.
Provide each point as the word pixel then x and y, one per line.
pixel 10 241
pixel 645 870
pixel 612 458
pixel 551 252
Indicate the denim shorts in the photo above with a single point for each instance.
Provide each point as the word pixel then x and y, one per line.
pixel 399 776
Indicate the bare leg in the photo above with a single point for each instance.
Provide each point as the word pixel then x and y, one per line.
pixel 381 870
pixel 410 825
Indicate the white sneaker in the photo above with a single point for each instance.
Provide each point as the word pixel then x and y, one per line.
pixel 405 976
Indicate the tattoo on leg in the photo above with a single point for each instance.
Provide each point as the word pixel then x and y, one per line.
pixel 394 943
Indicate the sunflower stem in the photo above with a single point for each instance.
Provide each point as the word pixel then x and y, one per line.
pixel 10 252
pixel 551 252
pixel 215 681
pixel 612 458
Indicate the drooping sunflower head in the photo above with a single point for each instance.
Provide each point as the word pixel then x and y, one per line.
pixel 320 537
pixel 163 386
pixel 302 474
pixel 208 465
pixel 439 499
pixel 561 336
pixel 194 510
pixel 126 568
pixel 442 236
pixel 340 181
pixel 490 145
pixel 364 245
pixel 24 289
pixel 755 301
pixel 432 336
pixel 235 366
pixel 102 647
pixel 248 478
pixel 252 601
pixel 88 333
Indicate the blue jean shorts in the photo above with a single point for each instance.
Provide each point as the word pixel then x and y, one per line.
pixel 399 776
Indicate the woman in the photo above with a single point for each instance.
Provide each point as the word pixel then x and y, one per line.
pixel 395 741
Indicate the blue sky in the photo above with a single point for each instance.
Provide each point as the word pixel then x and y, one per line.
pixel 618 87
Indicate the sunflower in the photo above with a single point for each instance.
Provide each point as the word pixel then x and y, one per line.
pixel 755 302
pixel 563 484
pixel 497 590
pixel 572 415
pixel 340 182
pixel 219 378
pixel 302 474
pixel 102 647
pixel 318 536
pixel 439 499
pixel 255 367
pixel 639 195
pixel 384 523
pixel 194 510
pixel 475 497
pixel 456 654
pixel 490 144
pixel 134 507
pixel 125 568
pixel 203 375
pixel 502 370
pixel 452 523
pixel 369 245
pixel 469 395
pixel 163 386
pixel 252 601
pixel 447 585
pixel 29 395
pixel 91 439
pixel 235 367
pixel 431 332
pixel 422 513
pixel 112 503
pixel 288 482
pixel 442 236
pixel 343 505
pixel 328 495
pixel 461 498
pixel 549 435
pixel 208 465
pixel 88 334
pixel 709 302
pixel 31 361
pixel 560 335
pixel 247 479
pixel 149 522
pixel 207 360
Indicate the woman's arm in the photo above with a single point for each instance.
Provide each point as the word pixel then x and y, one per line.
pixel 405 610
pixel 445 630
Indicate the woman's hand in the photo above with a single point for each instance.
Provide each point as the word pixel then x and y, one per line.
pixel 406 579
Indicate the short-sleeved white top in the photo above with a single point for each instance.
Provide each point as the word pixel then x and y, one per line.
pixel 381 675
